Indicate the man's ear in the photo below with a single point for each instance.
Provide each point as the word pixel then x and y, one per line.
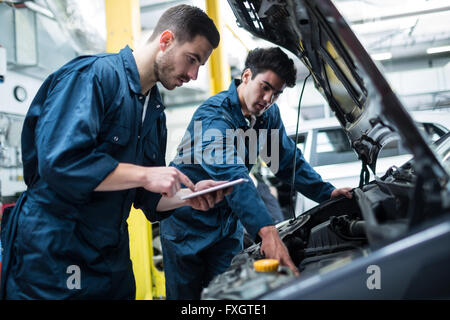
pixel 166 39
pixel 246 76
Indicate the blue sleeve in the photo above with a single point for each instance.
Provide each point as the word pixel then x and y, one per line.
pixel 148 201
pixel 307 180
pixel 66 138
pixel 221 161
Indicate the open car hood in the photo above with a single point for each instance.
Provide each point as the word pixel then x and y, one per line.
pixel 343 72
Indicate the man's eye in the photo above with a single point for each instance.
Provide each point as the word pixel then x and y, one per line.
pixel 190 59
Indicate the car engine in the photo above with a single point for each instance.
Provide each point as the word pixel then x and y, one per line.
pixel 326 237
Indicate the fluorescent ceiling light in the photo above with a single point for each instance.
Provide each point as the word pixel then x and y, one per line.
pixel 381 56
pixel 438 49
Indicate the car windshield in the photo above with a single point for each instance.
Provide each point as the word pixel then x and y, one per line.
pixel 332 147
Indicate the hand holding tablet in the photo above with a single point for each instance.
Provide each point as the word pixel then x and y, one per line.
pixel 215 188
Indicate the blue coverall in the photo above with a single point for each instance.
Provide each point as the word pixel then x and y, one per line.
pixel 199 245
pixel 84 120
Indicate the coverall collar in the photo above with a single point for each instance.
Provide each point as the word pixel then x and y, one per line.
pixel 131 69
pixel 133 77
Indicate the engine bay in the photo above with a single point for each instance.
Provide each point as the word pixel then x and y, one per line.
pixel 326 237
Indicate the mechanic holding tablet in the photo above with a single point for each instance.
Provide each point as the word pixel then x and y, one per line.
pixel 198 245
pixel 89 151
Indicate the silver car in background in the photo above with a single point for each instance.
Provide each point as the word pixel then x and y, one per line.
pixel 327 148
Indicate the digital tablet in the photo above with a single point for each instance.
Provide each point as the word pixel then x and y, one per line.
pixel 222 186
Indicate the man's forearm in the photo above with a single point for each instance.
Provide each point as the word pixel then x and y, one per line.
pixel 124 176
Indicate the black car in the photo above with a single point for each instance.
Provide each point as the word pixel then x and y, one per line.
pixel 392 239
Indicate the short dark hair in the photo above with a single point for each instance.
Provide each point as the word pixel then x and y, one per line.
pixel 186 22
pixel 262 59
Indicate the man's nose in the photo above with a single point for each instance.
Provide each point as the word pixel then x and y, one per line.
pixel 269 96
pixel 193 73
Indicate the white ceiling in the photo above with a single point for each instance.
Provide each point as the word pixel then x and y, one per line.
pixel 404 28
pixel 407 27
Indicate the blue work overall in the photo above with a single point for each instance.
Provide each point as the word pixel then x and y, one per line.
pixel 198 245
pixel 63 240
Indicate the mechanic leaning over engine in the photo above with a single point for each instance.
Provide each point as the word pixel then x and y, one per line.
pixel 200 245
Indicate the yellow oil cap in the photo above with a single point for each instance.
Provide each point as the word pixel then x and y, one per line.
pixel 266 265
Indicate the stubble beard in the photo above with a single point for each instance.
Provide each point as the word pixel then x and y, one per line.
pixel 163 70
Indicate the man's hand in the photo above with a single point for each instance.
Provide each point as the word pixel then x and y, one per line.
pixel 166 180
pixel 203 202
pixel 273 248
pixel 342 191
pixel 208 200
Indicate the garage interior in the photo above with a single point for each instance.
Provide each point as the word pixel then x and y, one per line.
pixel 409 40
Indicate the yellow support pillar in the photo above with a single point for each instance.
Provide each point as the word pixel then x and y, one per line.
pixel 140 231
pixel 123 26
pixel 219 69
pixel 150 282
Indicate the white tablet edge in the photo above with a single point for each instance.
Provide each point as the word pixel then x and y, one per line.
pixel 222 186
